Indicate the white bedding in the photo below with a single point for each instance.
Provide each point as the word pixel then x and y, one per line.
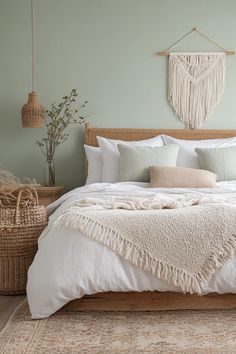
pixel 69 265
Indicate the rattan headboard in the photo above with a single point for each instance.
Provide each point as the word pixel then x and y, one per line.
pixel 140 134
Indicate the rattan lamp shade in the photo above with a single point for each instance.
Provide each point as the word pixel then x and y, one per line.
pixel 32 113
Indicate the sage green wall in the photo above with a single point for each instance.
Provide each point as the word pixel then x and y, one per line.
pixel 105 48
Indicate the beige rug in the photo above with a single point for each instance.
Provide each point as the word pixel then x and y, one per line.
pixel 120 332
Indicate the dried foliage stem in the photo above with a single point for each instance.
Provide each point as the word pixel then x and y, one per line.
pixel 10 181
pixel 59 117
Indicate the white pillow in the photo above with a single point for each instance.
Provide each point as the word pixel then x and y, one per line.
pixel 111 155
pixel 94 158
pixel 187 157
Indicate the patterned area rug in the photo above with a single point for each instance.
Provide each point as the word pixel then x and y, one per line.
pixel 120 332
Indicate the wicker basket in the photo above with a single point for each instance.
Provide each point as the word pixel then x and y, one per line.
pixel 21 222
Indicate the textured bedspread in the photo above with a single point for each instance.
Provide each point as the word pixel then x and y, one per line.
pixel 182 242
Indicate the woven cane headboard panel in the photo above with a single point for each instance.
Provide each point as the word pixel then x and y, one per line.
pixel 141 134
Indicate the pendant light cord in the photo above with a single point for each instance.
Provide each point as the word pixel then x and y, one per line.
pixel 32 24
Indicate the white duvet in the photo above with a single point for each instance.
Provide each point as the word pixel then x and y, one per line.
pixel 69 265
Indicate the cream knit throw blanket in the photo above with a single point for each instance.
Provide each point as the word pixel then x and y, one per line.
pixel 183 244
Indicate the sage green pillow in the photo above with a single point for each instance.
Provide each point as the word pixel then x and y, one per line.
pixel 136 160
pixel 221 161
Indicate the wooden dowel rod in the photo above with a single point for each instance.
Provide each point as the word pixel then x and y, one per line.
pixel 232 52
pixel 166 54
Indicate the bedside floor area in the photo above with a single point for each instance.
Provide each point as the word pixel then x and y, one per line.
pixel 7 306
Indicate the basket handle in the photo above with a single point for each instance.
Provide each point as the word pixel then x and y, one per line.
pixel 19 198
pixel 31 191
pixel 35 196
pixel 17 205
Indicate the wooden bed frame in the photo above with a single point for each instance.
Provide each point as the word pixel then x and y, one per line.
pixel 151 300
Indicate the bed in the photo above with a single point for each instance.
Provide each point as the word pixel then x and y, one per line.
pixel 99 299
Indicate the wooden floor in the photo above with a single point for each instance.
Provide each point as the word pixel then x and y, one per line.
pixel 7 306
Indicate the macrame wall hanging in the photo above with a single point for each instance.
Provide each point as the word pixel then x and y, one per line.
pixel 196 82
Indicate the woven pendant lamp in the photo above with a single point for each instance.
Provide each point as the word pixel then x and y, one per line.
pixel 32 113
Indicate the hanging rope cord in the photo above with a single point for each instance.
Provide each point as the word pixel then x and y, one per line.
pixel 189 34
pixel 32 28
pixel 196 81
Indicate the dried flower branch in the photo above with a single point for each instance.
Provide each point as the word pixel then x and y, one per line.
pixel 59 117
pixel 9 181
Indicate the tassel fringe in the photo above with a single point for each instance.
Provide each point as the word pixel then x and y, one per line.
pixel 196 85
pixel 142 259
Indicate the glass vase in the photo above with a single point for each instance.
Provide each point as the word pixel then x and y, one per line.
pixel 50 173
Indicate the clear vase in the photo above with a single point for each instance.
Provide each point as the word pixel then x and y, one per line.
pixel 50 173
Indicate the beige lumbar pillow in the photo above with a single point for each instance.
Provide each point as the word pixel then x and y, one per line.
pixel 180 177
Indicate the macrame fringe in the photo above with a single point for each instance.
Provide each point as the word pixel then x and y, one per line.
pixel 142 259
pixel 196 85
